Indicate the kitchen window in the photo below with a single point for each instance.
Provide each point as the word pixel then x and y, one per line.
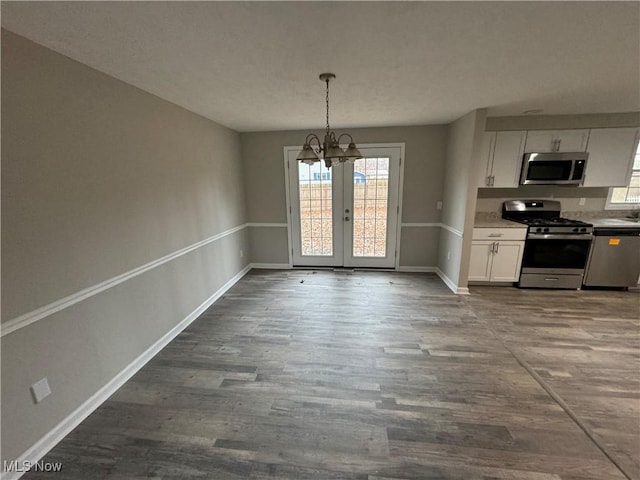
pixel 622 198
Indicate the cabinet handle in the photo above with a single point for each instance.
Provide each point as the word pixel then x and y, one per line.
pixel 493 179
pixel 551 279
pixel 487 181
pixel 497 247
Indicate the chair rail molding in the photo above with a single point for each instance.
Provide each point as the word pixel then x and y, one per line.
pixel 38 314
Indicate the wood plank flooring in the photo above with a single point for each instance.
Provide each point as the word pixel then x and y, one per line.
pixel 585 346
pixel 376 376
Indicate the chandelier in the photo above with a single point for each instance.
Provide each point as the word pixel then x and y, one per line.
pixel 329 149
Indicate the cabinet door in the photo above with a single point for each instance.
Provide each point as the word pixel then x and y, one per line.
pixel 480 264
pixel 540 141
pixel 486 159
pixel 572 140
pixel 506 262
pixel 611 153
pixel 507 159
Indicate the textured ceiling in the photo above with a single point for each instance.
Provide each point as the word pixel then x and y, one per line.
pixel 254 66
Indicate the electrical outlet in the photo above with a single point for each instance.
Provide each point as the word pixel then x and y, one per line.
pixel 448 255
pixel 40 390
pixel 241 253
pixel 582 201
pixel 439 205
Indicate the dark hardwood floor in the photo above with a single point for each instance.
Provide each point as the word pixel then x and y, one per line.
pixel 376 376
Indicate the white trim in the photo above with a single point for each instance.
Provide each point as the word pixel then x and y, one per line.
pixel 609 205
pixel 452 230
pixel 268 225
pixel 54 307
pixel 272 266
pixel 452 286
pixel 287 191
pixel 411 269
pixel 62 429
pixel 400 205
pixel 421 225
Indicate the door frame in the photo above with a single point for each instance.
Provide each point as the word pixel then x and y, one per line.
pixel 288 148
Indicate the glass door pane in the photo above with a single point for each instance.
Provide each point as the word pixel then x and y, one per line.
pixel 316 209
pixel 370 207
pixel 315 196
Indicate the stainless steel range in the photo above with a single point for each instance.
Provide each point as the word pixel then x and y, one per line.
pixel 556 249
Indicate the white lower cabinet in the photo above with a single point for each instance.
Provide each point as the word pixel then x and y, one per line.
pixel 496 260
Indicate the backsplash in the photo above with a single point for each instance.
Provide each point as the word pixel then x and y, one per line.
pixel 489 202
pixel 585 215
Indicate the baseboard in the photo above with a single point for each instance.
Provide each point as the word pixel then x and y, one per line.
pixel 62 429
pixel 271 266
pixel 410 269
pixel 452 286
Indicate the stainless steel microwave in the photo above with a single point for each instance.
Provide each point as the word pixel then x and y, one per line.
pixel 555 168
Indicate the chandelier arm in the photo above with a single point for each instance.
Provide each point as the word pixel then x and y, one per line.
pixel 347 135
pixel 310 138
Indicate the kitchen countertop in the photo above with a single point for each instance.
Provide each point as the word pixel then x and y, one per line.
pixel 496 223
pixel 613 223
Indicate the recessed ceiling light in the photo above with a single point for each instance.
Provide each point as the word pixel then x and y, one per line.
pixel 532 111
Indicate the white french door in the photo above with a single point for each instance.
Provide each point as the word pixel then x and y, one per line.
pixel 346 215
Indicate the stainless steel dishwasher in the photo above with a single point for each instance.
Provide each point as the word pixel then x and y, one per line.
pixel 614 259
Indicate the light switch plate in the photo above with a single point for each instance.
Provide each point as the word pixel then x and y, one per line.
pixel 582 201
pixel 439 205
pixel 40 390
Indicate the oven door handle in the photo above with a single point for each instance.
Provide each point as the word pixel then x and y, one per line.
pixel 560 236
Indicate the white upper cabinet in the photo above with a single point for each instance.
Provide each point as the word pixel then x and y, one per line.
pixel 501 159
pixel 556 141
pixel 486 159
pixel 611 153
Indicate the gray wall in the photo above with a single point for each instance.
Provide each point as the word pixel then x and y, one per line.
pixel 99 178
pixel 264 175
pixel 464 142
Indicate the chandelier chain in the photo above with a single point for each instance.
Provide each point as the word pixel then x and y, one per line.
pixel 327 106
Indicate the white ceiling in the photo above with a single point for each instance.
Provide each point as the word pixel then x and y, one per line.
pixel 254 66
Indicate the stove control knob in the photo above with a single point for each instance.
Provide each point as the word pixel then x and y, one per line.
pixel 538 230
pixel 546 230
pixel 583 229
pixel 576 229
